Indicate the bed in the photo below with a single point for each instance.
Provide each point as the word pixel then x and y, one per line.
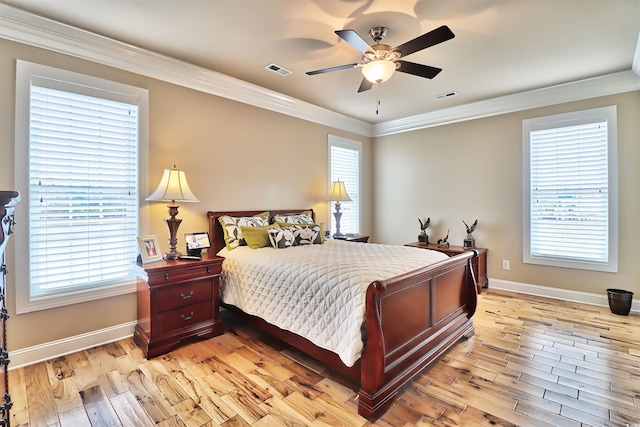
pixel 410 320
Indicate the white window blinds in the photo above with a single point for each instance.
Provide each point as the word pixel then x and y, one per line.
pixel 570 191
pixel 83 187
pixel 344 160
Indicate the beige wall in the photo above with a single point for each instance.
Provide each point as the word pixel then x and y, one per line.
pixel 473 170
pixel 235 156
pixel 230 150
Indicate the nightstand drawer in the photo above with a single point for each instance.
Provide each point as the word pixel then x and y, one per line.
pixel 193 271
pixel 186 294
pixel 184 317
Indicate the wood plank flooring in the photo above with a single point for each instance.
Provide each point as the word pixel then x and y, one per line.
pixel 532 362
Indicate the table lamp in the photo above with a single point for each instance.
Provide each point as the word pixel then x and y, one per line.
pixel 338 193
pixel 173 188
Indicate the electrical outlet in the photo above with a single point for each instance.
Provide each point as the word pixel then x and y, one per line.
pixel 505 264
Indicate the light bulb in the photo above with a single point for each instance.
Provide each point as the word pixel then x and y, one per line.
pixel 378 71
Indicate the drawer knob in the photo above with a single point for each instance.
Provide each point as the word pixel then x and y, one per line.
pixel 183 296
pixel 166 276
pixel 187 317
pixel 208 269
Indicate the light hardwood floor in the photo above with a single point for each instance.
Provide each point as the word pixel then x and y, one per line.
pixel 533 361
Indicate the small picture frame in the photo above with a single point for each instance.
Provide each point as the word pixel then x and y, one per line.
pixel 149 249
pixel 196 242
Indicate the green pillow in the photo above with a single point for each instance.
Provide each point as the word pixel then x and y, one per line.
pixel 257 237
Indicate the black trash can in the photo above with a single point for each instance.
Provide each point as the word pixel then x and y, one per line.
pixel 620 301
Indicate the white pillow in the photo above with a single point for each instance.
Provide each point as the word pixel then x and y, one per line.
pixel 232 231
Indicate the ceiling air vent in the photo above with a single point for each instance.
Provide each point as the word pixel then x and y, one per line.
pixel 446 95
pixel 278 69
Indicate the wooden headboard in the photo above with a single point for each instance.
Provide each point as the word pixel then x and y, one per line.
pixel 215 229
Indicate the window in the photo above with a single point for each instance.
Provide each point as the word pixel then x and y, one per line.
pixel 570 190
pixel 78 155
pixel 344 165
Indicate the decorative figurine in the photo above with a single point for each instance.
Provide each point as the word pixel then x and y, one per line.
pixel 423 238
pixel 469 241
pixel 444 243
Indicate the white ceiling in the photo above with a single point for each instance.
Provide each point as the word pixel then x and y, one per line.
pixel 501 47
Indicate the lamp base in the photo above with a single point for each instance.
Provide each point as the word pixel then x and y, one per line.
pixel 337 214
pixel 172 224
pixel 172 255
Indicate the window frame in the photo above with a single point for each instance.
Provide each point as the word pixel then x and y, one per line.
pixel 26 73
pixel 603 114
pixel 355 145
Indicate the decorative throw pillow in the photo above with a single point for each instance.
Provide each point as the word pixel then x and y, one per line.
pixel 232 231
pixel 306 234
pixel 257 237
pixel 281 238
pixel 304 217
pixel 297 229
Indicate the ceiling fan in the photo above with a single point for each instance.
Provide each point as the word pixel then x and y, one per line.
pixel 380 60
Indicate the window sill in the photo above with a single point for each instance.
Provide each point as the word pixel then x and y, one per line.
pixel 610 267
pixel 26 304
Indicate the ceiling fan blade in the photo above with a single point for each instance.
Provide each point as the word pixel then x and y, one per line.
pixel 328 70
pixel 354 40
pixel 365 85
pixel 418 69
pixel 439 35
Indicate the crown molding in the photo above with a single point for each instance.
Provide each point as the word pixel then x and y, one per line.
pixel 27 28
pixel 610 84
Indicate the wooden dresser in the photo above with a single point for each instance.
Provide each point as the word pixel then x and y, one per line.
pixel 177 301
pixel 8 199
pixel 479 264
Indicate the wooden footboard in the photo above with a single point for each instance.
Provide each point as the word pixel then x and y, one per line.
pixel 411 320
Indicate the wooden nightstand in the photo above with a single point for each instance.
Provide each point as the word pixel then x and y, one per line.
pixel 479 264
pixel 177 300
pixel 357 238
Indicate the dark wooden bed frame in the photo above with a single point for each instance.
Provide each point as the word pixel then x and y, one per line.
pixel 411 320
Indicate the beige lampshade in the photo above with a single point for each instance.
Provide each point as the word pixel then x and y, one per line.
pixel 338 192
pixel 378 71
pixel 173 187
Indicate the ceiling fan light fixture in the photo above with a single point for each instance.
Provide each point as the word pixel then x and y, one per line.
pixel 378 71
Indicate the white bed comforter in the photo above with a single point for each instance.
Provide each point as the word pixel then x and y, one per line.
pixel 316 291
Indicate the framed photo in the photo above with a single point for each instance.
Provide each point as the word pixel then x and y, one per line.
pixel 196 242
pixel 149 249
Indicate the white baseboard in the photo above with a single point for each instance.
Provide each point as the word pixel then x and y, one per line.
pixel 556 293
pixel 39 353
